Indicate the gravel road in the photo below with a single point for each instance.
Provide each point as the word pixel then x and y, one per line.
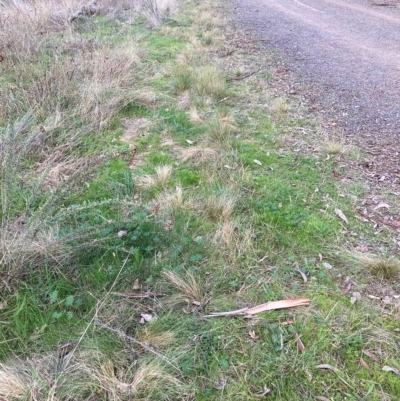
pixel 348 55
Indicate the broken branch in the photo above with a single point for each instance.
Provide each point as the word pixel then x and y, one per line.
pixel 288 303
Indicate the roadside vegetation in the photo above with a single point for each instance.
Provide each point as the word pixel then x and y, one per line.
pixel 154 173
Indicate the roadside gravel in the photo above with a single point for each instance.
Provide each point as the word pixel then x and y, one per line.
pixel 344 57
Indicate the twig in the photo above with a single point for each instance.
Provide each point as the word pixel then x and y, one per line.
pixel 142 295
pixel 242 76
pixel 125 336
pixel 230 313
pixel 249 40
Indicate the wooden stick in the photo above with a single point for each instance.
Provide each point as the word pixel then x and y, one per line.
pixel 142 295
pixel 242 76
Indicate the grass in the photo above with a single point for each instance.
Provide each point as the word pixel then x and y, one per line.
pixel 141 190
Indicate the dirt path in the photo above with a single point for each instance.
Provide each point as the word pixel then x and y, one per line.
pixel 347 52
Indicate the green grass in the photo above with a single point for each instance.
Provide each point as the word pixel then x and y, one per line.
pixel 243 223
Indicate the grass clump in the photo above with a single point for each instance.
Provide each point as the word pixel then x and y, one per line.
pixel 188 287
pixel 208 81
pixel 77 375
pixel 333 148
pixel 387 268
pixel 162 177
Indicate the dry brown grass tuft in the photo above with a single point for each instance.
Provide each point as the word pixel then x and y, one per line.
pixel 111 84
pixel 172 202
pixel 187 285
pixel 199 155
pixel 13 384
pixel 75 77
pixel 333 148
pixel 219 207
pixel 225 233
pixel 194 115
pixel 280 106
pixel 221 127
pixel 208 81
pixel 155 10
pixel 162 177
pixel 154 338
pixel 382 267
pixel 72 377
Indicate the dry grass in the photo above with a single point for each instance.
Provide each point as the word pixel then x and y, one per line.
pixel 72 377
pixel 207 19
pixel 219 207
pixel 194 115
pixel 181 72
pixel 188 287
pixel 111 84
pixel 77 77
pixel 30 238
pixel 225 233
pixel 221 127
pixel 208 81
pixel 199 155
pixel 280 106
pixel 172 202
pixel 154 338
pixel 333 148
pixel 13 384
pixel 155 10
pixel 162 177
pixel 381 267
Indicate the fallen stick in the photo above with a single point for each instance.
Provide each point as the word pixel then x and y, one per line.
pixel 142 295
pixel 242 76
pixel 283 304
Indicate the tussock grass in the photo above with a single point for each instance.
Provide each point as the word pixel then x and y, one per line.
pixel 74 376
pixel 156 339
pixel 208 81
pixel 280 106
pixel 182 73
pixel 382 267
pixel 221 127
pixel 162 177
pixel 188 287
pixel 225 233
pixel 194 115
pixel 219 207
pixel 174 201
pixel 34 236
pixel 199 155
pixel 333 147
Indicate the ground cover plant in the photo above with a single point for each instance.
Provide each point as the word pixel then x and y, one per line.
pixel 153 175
